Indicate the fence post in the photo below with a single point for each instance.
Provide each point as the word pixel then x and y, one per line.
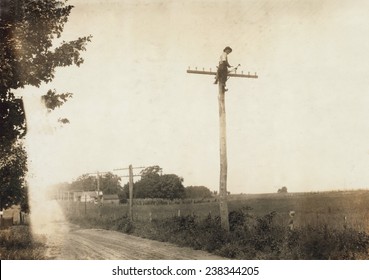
pixel 290 224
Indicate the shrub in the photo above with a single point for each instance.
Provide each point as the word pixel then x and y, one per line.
pixel 210 234
pixel 230 250
pixel 237 218
pixel 123 224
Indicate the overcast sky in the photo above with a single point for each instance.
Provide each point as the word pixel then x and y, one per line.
pixel 303 124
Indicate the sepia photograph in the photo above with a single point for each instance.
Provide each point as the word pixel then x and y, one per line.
pixel 184 130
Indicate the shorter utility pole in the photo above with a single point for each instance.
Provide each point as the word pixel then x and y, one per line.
pixel 130 191
pixel 130 188
pixel 98 193
pixel 97 174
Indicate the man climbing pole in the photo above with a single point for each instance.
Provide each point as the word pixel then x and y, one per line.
pixel 222 73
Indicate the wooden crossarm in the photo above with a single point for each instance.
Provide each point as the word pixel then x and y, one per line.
pixel 201 72
pixel 252 76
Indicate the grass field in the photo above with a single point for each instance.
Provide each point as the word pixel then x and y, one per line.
pixel 327 225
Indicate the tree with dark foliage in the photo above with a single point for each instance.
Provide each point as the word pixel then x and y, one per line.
pixel 28 57
pixel 12 173
pixel 155 185
pixel 198 192
pixel 109 183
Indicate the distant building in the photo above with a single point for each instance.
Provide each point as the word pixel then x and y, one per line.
pixel 14 213
pixel 110 198
pixel 88 196
pixel 12 216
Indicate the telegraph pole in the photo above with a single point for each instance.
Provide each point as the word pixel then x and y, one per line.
pixel 223 206
pixel 98 188
pixel 98 193
pixel 130 188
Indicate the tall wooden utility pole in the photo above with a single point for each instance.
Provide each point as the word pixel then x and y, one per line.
pixel 130 188
pixel 223 206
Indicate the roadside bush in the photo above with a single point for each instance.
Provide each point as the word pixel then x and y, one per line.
pixel 239 218
pixel 269 236
pixel 189 231
pixel 211 235
pixel 255 237
pixel 230 250
pixel 183 231
pixel 123 224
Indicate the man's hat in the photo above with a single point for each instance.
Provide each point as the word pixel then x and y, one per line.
pixel 228 48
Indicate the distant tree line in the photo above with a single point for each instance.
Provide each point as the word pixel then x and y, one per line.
pixel 153 184
pixel 198 192
pixel 109 184
pixel 282 190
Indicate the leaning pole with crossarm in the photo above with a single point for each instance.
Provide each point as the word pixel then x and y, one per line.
pixel 223 205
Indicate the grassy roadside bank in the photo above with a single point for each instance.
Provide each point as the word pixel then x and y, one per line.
pixel 320 231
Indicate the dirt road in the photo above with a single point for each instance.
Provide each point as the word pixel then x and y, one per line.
pixel 69 242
